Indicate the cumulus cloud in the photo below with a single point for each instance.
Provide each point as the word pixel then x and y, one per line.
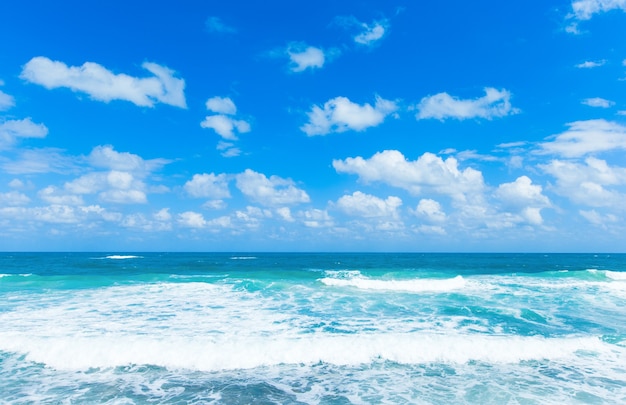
pixel 522 192
pixel 108 158
pixel 592 183
pixel 586 137
pixel 191 219
pixel 103 85
pixel 524 196
pixel 430 210
pixel 122 181
pixel 224 124
pixel 598 102
pixel 157 222
pixel 272 191
pixel 52 195
pixel 113 186
pixel 221 105
pixel 427 172
pixel 6 101
pixel 216 25
pixel 12 130
pixel 13 198
pixel 304 57
pixel 208 186
pixel 340 114
pixel 495 103
pixel 316 218
pixel 583 10
pixel 369 206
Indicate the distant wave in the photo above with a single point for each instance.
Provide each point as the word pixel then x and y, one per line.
pixel 16 275
pixel 243 258
pixel 411 285
pixel 122 257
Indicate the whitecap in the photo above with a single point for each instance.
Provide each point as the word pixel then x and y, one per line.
pixel 412 285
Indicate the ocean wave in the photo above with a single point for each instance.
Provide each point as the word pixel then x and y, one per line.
pixel 16 275
pixel 410 285
pixel 122 257
pixel 243 258
pixel 204 354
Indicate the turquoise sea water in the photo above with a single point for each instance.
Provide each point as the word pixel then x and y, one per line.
pixel 320 328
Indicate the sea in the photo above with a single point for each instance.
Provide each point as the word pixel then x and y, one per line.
pixel 312 328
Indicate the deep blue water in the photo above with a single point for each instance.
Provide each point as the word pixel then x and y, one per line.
pixel 239 328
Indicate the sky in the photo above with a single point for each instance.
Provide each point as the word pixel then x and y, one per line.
pixel 454 126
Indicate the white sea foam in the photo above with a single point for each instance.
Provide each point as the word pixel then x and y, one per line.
pixel 411 285
pixel 122 257
pixel 243 258
pixel 210 354
pixel 615 275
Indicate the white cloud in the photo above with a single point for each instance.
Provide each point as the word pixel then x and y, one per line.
pixel 285 214
pixel 6 101
pixel 158 222
pixel 522 192
pixel 214 205
pixel 495 103
pixel 316 218
pixel 371 33
pixel 208 186
pixel 215 24
pixel 225 126
pixel 13 198
pixel 106 157
pixel 340 114
pixel 587 183
pixel 585 137
pixel 585 9
pixel 191 219
pixel 369 206
pixel 221 105
pixel 271 191
pixel 525 197
pixel 598 219
pixel 31 161
pixel 103 85
pixel 228 149
pixel 12 130
pixel 428 171
pixel 598 102
pixel 53 195
pixel 122 182
pixel 591 64
pixel 16 183
pixel 430 210
pixel 163 215
pixel 303 57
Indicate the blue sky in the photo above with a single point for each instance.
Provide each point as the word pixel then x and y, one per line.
pixel 313 126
